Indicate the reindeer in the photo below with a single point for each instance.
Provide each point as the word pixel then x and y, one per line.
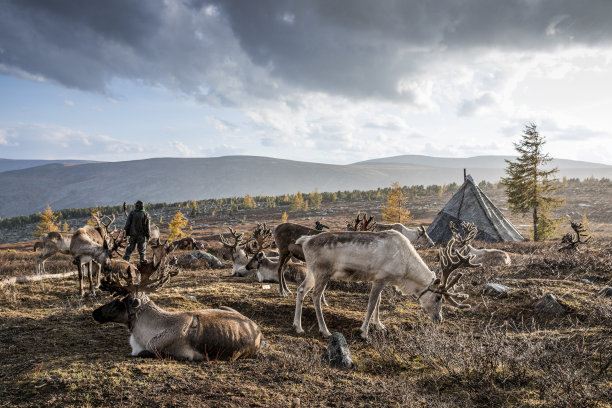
pixel 267 271
pixel 573 241
pixel 285 236
pixel 483 255
pixel 383 258
pixel 235 252
pixel 51 243
pixel 418 237
pixel 221 333
pixel 89 244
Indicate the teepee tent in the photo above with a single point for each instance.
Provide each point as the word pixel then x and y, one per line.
pixel 470 204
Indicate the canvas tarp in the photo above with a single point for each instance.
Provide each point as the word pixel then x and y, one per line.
pixel 470 204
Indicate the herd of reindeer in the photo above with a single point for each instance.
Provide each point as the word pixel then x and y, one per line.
pixel 383 254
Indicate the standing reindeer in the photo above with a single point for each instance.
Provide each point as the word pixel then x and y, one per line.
pixel 51 243
pixel 383 258
pixel 92 246
pixel 210 334
pixel 285 236
pixel 418 237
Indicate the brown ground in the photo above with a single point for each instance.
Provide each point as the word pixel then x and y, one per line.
pixel 498 353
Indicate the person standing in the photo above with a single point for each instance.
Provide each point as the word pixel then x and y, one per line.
pixel 137 227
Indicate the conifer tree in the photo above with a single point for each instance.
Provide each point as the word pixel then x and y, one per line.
pixel 297 203
pixel 176 226
pixel 284 217
pixel 66 227
pixel 395 210
pixel 48 222
pixel 248 201
pixel 529 185
pixel 315 200
pixel 92 221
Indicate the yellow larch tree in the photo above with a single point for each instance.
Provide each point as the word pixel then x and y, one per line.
pixel 48 222
pixel 395 210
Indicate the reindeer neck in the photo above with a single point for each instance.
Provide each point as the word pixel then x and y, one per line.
pixel 416 278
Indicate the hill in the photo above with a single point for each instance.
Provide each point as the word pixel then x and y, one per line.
pixel 28 190
pixel 11 164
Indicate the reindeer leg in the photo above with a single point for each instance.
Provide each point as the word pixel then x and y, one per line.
pixel 323 299
pixel 80 273
pixel 317 293
pixel 92 291
pixel 377 287
pixel 302 290
pixel 282 286
pixel 376 316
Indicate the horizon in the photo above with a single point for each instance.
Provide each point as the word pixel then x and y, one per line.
pixel 305 81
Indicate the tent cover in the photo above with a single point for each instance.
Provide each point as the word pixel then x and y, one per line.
pixel 470 204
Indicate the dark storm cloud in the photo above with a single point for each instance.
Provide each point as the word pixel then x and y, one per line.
pixel 354 48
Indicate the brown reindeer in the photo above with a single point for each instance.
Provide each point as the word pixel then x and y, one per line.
pixel 209 334
pixel 92 246
pixel 285 236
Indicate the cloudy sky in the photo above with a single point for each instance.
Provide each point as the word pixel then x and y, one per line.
pixel 333 81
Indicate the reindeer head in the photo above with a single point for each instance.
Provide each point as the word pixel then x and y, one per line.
pixel 231 248
pixel 431 298
pixel 130 284
pixel 423 239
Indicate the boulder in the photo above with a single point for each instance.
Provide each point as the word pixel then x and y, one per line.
pixel 549 305
pixel 607 291
pixel 495 289
pixel 338 354
pixel 212 261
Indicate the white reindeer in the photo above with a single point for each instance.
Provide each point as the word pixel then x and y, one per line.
pixel 383 258
pixel 483 256
pixel 51 243
pixel 418 237
pixel 235 252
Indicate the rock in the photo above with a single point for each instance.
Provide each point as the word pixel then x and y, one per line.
pixel 338 354
pixel 495 289
pixel 187 259
pixel 585 281
pixel 607 291
pixel 192 298
pixel 549 305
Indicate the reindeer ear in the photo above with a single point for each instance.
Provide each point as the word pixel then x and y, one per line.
pixel 436 281
pixel 136 303
pixel 260 256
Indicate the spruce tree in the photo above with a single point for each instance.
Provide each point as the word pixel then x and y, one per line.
pixel 395 210
pixel 529 185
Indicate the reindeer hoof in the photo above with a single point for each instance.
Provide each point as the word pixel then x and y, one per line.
pixel 298 330
pixel 325 334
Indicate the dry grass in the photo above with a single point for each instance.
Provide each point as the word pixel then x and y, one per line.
pixel 499 353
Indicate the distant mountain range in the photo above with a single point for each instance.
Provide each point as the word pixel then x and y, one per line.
pixel 66 184
pixel 10 164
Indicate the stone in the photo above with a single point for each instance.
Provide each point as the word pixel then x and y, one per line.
pixel 607 291
pixel 549 305
pixel 495 289
pixel 211 260
pixel 338 354
pixel 585 281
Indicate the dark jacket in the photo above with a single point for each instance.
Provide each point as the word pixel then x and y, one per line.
pixel 137 224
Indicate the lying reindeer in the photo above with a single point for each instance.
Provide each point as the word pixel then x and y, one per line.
pixel 211 334
pixel 489 257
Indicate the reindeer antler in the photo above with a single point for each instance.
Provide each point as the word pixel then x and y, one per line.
pixel 469 230
pixel 572 240
pixel 237 239
pixel 451 259
pixel 125 278
pixel 262 236
pixel 361 223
